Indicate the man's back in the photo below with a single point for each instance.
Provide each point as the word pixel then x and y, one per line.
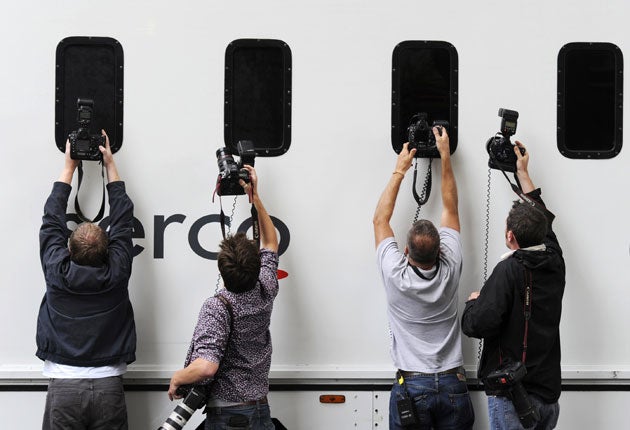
pixel 242 345
pixel 96 298
pixel 423 312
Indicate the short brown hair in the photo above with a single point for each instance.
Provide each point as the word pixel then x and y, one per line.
pixel 239 263
pixel 423 242
pixel 88 245
pixel 528 224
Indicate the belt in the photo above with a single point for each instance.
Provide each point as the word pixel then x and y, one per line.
pixel 224 405
pixel 262 401
pixel 454 370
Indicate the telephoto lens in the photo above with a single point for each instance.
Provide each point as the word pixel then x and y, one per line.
pixel 195 399
pixel 527 413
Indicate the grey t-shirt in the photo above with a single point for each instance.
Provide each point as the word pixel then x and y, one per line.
pixel 426 335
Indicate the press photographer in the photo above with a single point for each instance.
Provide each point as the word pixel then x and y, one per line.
pixel 230 351
pixel 430 388
pixel 517 313
pixel 86 333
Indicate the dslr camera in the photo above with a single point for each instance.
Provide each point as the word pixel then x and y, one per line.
pixel 421 135
pixel 83 144
pixel 500 148
pixel 230 171
pixel 195 398
pixel 506 381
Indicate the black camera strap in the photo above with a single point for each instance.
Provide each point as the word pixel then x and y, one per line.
pixel 230 310
pixel 222 217
pixel 527 309
pixel 524 197
pixel 527 314
pixel 426 188
pixel 77 208
pixel 419 273
pixel 255 225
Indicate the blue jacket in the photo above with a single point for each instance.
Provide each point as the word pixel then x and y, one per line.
pixel 86 318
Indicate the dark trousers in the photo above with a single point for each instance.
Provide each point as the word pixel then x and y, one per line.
pixel 256 417
pixel 81 404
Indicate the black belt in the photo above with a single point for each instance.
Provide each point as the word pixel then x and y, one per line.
pixel 454 370
pixel 262 401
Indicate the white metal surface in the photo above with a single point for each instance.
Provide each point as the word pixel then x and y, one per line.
pixel 329 321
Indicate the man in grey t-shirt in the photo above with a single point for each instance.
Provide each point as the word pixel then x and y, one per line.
pixel 421 287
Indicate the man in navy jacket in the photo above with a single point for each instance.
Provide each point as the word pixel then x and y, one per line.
pixel 85 328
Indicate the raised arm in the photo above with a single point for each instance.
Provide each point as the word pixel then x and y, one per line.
pixel 268 235
pixel 69 167
pixel 450 211
pixel 108 160
pixel 522 173
pixel 387 201
pixel 53 234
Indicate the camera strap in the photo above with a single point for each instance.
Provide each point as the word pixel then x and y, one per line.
pixel 527 313
pixel 77 208
pixel 527 309
pixel 519 192
pixel 419 273
pixel 255 225
pixel 221 214
pixel 222 217
pixel 230 310
pixel 426 188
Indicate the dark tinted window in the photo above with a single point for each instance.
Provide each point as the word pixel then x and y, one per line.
pixel 258 95
pixel 590 100
pixel 424 80
pixel 89 68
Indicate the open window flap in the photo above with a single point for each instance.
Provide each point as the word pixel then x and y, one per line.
pixel 590 100
pixel 258 95
pixel 89 68
pixel 424 81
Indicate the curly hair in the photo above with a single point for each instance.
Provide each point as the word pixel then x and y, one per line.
pixel 88 245
pixel 423 242
pixel 528 224
pixel 239 263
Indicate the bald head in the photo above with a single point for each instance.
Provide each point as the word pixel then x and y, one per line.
pixel 423 242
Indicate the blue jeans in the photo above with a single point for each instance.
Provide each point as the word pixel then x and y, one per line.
pixel 78 404
pixel 440 402
pixel 258 418
pixel 503 416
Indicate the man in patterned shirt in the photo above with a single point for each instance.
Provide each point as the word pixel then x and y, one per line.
pixel 231 344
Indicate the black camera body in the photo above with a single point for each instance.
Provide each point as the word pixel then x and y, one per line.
pixel 195 398
pixel 83 144
pixel 500 148
pixel 506 381
pixel 421 136
pixel 230 171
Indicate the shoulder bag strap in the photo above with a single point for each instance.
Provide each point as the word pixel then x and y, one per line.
pixel 228 306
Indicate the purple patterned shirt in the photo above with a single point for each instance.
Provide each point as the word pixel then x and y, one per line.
pixel 243 373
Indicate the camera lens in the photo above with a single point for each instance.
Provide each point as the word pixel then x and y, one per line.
pixel 226 162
